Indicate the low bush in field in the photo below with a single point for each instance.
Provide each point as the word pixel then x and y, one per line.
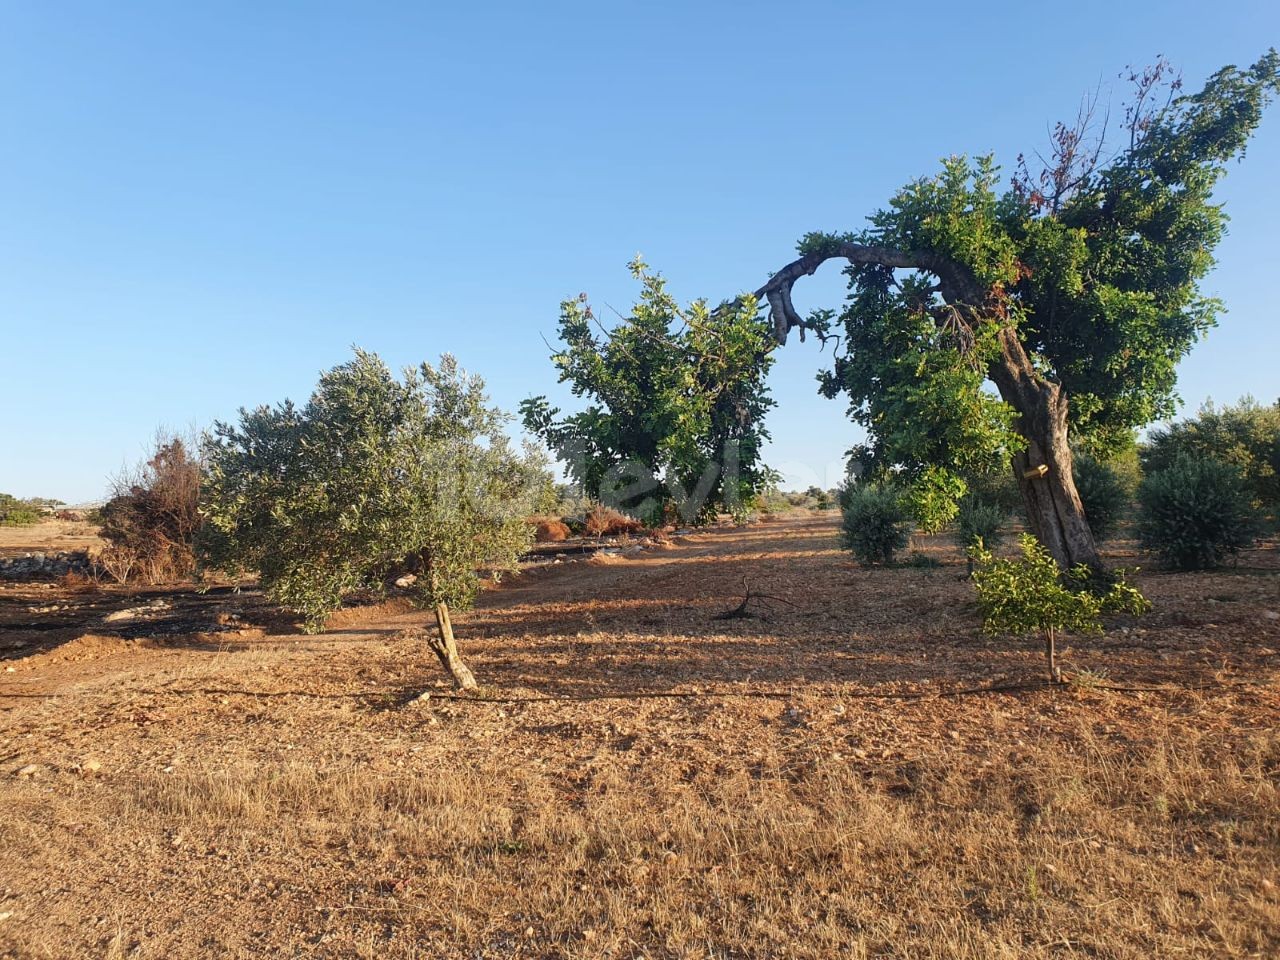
pixel 550 530
pixel 151 522
pixel 876 523
pixel 1246 436
pixel 1102 493
pixel 607 522
pixel 980 521
pixel 1194 514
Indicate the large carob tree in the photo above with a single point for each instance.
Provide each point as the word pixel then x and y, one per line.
pixel 1074 293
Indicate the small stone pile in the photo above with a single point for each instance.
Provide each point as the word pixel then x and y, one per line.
pixel 37 566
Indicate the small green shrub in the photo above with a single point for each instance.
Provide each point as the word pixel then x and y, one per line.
pixel 1195 513
pixel 996 485
pixel 1102 493
pixel 919 561
pixel 876 523
pixel 1029 594
pixel 980 521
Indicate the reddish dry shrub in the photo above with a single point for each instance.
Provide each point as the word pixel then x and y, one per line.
pixel 607 522
pixel 74 582
pixel 151 521
pixel 550 530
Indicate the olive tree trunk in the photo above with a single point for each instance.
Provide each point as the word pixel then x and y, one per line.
pixel 446 648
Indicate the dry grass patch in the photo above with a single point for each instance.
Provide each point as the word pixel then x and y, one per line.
pixel 1077 848
pixel 280 795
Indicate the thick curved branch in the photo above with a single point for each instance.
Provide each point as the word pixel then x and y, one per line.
pixel 957 285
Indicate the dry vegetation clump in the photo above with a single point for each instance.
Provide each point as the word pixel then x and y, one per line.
pixel 151 521
pixel 550 530
pixel 607 522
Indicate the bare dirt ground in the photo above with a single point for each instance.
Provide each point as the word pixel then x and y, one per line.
pixel 49 536
pixel 197 779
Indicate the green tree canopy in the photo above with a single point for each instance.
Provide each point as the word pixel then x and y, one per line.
pixel 677 402
pixel 982 323
pixel 374 478
pixel 18 513
pixel 1245 435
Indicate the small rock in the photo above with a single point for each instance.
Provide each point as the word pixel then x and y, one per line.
pixel 119 615
pixel 89 767
pixel 1272 615
pixel 408 580
pixel 30 770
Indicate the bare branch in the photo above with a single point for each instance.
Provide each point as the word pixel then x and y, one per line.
pixel 957 285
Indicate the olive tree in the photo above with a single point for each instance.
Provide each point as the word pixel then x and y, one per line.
pixel 376 478
pixel 1245 435
pixel 985 325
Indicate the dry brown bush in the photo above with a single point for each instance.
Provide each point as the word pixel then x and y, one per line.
pixel 150 522
pixel 550 530
pixel 607 522
pixel 74 582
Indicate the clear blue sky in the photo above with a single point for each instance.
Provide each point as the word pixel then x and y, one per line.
pixel 203 205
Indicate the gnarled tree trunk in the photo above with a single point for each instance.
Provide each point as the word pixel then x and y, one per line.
pixel 1044 469
pixel 446 648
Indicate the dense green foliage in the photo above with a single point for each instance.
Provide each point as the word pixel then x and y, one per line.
pixel 1246 435
pixel 934 498
pixel 1095 266
pixel 677 403
pixel 1195 513
pixel 1030 594
pixel 17 513
pixel 876 523
pixel 980 521
pixel 919 396
pixel 374 477
pixel 1102 492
